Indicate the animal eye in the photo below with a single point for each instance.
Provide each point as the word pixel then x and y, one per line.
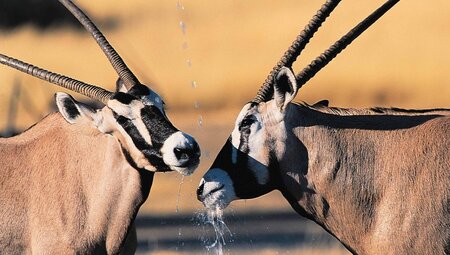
pixel 245 123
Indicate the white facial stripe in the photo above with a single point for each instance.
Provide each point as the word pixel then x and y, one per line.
pixel 138 157
pixel 242 114
pixel 235 141
pixel 236 134
pixel 130 111
pixel 256 147
pixel 143 131
pixel 258 160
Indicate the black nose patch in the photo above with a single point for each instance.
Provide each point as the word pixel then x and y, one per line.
pixel 186 152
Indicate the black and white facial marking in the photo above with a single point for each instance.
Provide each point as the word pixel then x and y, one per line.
pixel 138 119
pixel 246 167
pixel 243 167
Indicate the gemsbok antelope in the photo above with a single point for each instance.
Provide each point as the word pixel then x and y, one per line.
pixel 74 182
pixel 377 179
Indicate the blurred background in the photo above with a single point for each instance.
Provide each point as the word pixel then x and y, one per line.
pixel 207 58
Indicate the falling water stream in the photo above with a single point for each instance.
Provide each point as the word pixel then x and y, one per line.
pixel 182 26
pixel 177 210
pixel 214 242
pixel 211 221
pixel 179 194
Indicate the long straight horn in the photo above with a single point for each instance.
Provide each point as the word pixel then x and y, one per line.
pixel 118 64
pixel 296 48
pixel 321 61
pixel 88 90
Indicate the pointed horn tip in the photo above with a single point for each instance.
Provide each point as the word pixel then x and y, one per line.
pixel 297 46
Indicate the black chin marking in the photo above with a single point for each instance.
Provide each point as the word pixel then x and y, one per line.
pixel 244 180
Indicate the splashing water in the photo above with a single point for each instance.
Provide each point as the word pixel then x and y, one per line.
pixel 214 217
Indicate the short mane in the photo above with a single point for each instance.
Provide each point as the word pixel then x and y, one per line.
pixel 374 110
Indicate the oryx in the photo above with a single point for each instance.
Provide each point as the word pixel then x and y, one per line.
pixel 377 179
pixel 73 183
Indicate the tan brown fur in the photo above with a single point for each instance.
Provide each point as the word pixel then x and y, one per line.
pixel 55 201
pixel 377 179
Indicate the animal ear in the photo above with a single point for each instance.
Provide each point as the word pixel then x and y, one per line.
pixel 120 86
pixel 72 110
pixel 285 87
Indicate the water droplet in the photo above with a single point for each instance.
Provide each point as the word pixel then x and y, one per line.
pixel 196 104
pixel 177 209
pixel 182 27
pixel 180 6
pixel 189 63
pixel 179 238
pixel 200 121
pixel 194 84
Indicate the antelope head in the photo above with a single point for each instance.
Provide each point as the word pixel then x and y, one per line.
pixel 134 113
pixel 248 165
